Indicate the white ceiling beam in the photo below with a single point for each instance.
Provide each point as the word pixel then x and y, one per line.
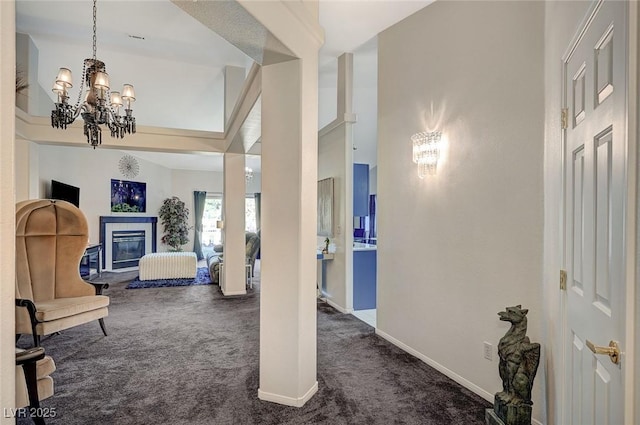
pixel 244 125
pixel 39 130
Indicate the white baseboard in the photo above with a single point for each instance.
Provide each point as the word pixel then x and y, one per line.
pixel 228 293
pixel 437 366
pixel 288 401
pixel 338 307
pixel 445 371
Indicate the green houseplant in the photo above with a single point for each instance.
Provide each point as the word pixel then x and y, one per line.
pixel 174 216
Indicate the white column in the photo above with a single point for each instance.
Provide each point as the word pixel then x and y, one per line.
pixel 7 207
pixel 233 216
pixel 288 264
pixel 345 87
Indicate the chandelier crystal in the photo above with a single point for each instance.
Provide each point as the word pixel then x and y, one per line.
pixel 99 106
pixel 426 152
pixel 248 174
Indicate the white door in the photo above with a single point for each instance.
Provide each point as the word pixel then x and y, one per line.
pixel 595 189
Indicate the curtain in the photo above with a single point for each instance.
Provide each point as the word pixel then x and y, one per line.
pixel 198 207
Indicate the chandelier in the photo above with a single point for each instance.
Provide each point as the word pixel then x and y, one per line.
pixel 248 174
pixel 100 105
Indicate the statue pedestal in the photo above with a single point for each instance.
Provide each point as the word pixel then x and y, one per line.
pixel 513 414
pixel 490 418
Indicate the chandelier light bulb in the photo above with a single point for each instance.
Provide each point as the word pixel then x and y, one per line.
pixel 101 81
pixel 116 100
pixel 57 88
pixel 128 93
pixel 64 78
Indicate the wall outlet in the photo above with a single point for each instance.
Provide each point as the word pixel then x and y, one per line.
pixel 488 351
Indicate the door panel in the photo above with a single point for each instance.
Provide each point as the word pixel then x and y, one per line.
pixel 603 146
pixel 578 220
pixel 594 214
pixel 577 387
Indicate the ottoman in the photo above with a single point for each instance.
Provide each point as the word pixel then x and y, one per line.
pixel 168 265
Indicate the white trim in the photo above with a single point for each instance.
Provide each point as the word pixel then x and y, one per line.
pixel 253 76
pixel 437 366
pixel 584 26
pixel 288 401
pixel 227 294
pixel 631 220
pixel 307 20
pixel 445 371
pixel 338 307
pixel 348 118
pixel 633 129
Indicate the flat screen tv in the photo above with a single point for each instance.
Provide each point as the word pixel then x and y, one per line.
pixel 128 196
pixel 65 192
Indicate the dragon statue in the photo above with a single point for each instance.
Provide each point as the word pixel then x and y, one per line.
pixel 519 360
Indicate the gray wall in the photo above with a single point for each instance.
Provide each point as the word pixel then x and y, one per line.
pixel 92 171
pixel 461 245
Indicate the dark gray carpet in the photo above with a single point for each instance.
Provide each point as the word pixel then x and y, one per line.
pixel 187 355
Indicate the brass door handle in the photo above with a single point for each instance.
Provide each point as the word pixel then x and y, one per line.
pixel 613 351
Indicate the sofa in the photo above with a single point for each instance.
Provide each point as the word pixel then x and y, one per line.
pixel 252 246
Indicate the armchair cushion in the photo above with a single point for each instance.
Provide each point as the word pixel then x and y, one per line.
pixel 65 307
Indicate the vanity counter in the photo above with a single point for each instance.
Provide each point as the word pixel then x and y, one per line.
pixel 359 246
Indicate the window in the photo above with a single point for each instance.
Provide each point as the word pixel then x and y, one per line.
pixel 211 235
pixel 250 214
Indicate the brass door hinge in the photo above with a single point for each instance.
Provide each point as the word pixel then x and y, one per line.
pixel 563 280
pixel 564 118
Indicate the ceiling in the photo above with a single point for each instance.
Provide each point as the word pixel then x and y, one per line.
pixel 175 63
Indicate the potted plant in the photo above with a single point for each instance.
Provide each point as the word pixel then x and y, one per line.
pixel 326 246
pixel 21 82
pixel 174 216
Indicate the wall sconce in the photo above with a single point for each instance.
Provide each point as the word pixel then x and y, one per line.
pixel 426 151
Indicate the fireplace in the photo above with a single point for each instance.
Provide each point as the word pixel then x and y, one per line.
pixel 127 247
pixel 125 240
